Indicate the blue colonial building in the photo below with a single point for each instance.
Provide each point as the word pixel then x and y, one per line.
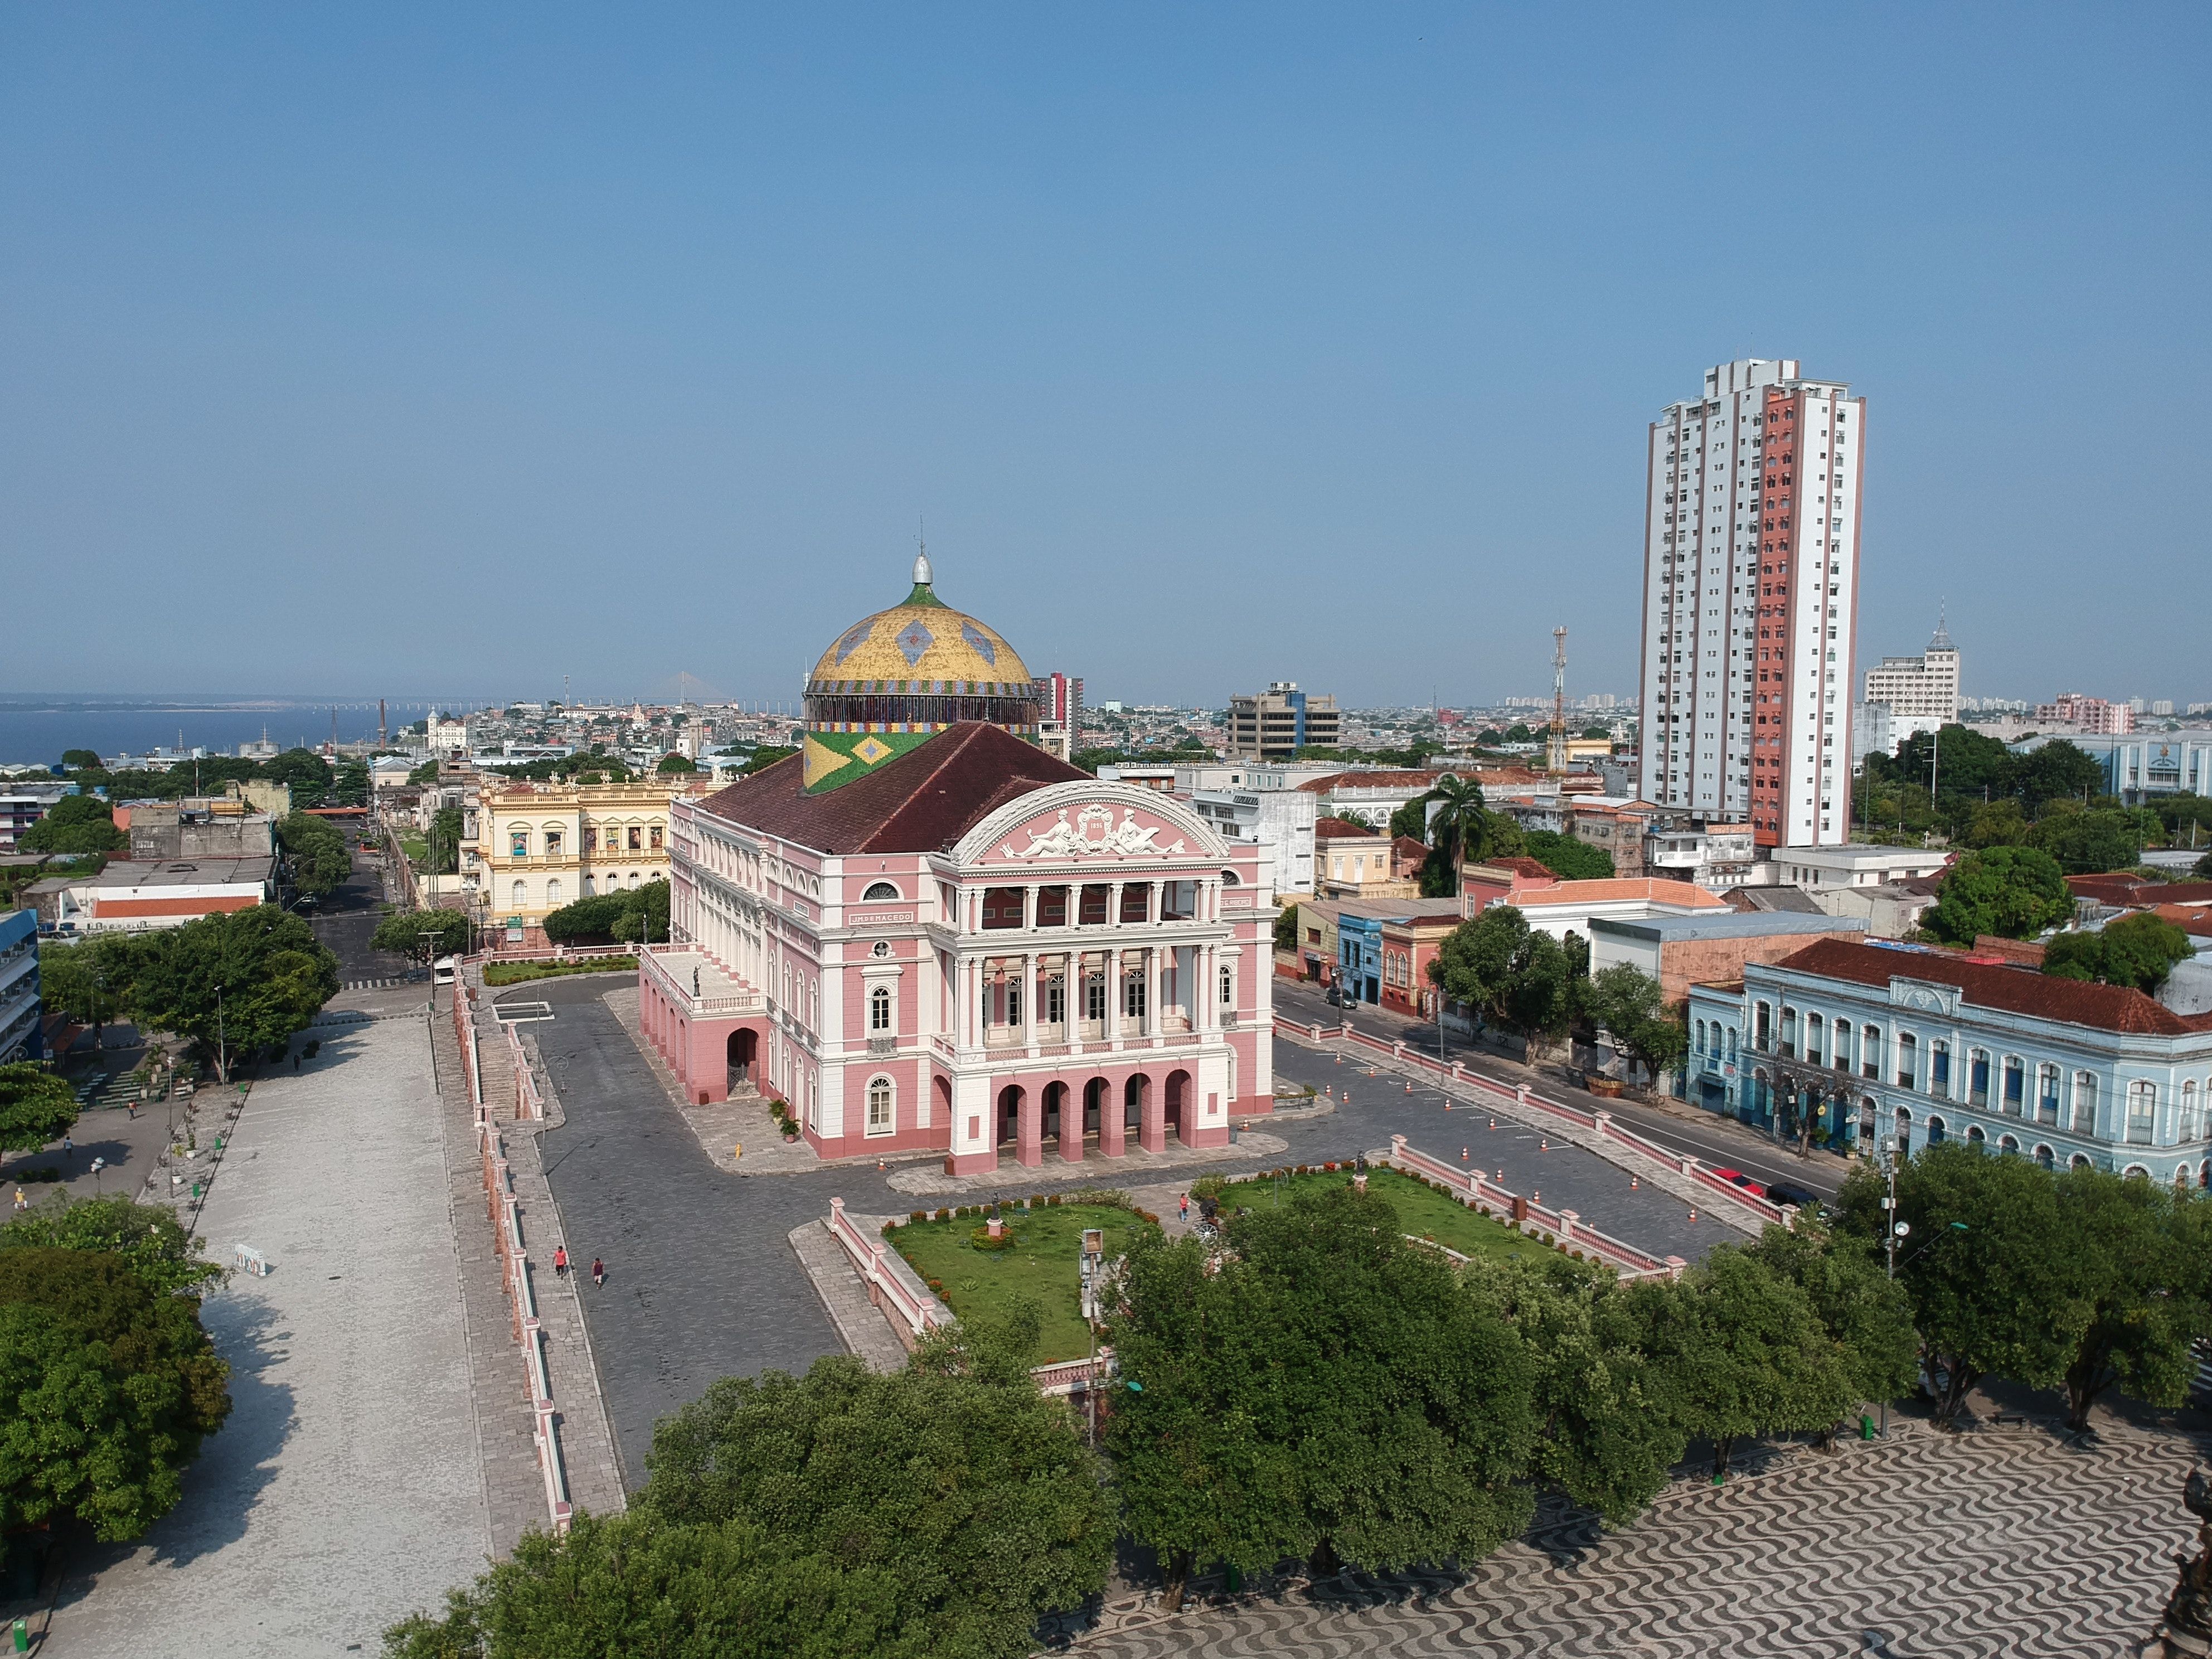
pixel 1878 1039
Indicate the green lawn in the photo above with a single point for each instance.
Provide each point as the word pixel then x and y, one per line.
pixel 417 850
pixel 1421 1211
pixel 1043 1265
pixel 514 973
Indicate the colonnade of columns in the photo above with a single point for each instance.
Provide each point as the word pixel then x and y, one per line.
pixel 1074 1104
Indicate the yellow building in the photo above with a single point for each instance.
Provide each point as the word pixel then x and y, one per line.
pixel 540 846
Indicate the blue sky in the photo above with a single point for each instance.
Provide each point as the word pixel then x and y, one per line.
pixel 453 349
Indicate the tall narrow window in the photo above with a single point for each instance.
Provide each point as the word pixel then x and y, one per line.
pixel 1939 1069
pixel 2189 1110
pixel 2142 1112
pixel 1978 1077
pixel 1228 987
pixel 1870 1051
pixel 2084 1103
pixel 1055 998
pixel 1761 1033
pixel 1094 997
pixel 2015 1085
pixel 1908 1059
pixel 2046 1094
pixel 879 1009
pixel 1814 1031
pixel 879 1106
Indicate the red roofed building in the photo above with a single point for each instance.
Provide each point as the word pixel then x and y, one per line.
pixel 1871 1041
pixel 928 933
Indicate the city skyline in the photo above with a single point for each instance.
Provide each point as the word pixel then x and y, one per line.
pixel 502 358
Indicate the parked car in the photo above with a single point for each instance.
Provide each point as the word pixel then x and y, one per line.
pixel 1739 1178
pixel 1783 1192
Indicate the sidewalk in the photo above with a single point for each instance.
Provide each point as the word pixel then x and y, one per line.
pixel 344 1491
pixel 722 1127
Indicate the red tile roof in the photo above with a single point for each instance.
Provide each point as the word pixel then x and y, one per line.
pixel 1991 985
pixel 1336 828
pixel 2126 891
pixel 2190 918
pixel 925 799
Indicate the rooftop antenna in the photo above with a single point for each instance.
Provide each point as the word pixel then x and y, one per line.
pixel 1558 757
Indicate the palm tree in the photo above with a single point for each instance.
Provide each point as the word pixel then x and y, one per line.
pixel 1461 830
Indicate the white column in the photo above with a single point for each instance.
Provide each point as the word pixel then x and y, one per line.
pixel 1028 997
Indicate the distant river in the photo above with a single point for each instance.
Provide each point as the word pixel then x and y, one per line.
pixel 36 731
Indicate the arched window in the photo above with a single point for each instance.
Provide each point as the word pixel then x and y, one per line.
pixel 2047 1157
pixel 1231 878
pixel 1762 1026
pixel 879 1009
pixel 2046 1093
pixel 2142 1112
pixel 1908 1059
pixel 2079 1161
pixel 1939 1069
pixel 1934 1131
pixel 878 890
pixel 553 893
pixel 2008 1146
pixel 587 887
pixel 2189 1109
pixel 520 894
pixel 1815 1031
pixel 1870 1051
pixel 2084 1103
pixel 1229 988
pixel 1977 1077
pixel 1701 1036
pixel 2015 1086
pixel 1976 1139
pixel 881 1118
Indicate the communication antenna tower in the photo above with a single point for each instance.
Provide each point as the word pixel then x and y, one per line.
pixel 1558 757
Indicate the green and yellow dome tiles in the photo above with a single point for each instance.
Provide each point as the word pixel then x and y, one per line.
pixel 894 680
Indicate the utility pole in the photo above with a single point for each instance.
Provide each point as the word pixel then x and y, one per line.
pixel 1890 1228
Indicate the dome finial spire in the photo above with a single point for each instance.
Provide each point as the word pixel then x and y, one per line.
pixel 921 576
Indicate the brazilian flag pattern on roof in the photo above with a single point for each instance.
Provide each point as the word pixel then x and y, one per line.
pixel 833 759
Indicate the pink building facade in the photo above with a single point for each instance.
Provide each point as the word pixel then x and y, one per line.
pixel 975 950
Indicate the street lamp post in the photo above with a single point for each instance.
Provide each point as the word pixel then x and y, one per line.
pixel 221 1048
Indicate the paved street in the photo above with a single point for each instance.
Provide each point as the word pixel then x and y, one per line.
pixel 346 921
pixel 702 1282
pixel 2001 1541
pixel 1717 1140
pixel 345 1490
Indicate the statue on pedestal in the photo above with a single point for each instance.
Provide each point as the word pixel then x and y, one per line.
pixel 2185 1632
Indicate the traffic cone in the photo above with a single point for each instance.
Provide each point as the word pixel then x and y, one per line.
pixel 1462 1154
pixel 1694 1214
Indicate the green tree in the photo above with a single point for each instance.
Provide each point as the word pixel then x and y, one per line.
pixel 920 1513
pixel 1566 858
pixel 769 754
pixel 75 824
pixel 1462 831
pixel 77 760
pixel 2144 1256
pixel 421 934
pixel 233 982
pixel 145 1236
pixel 1865 1312
pixel 35 1107
pixel 1412 819
pixel 89 981
pixel 1627 1005
pixel 2139 950
pixel 426 773
pixel 1286 927
pixel 2055 771
pixel 1476 962
pixel 1748 1356
pixel 107 1386
pixel 1323 1388
pixel 444 846
pixel 646 919
pixel 1969 763
pixel 1997 1279
pixel 2202 867
pixel 674 763
pixel 1606 1435
pixel 307 774
pixel 2000 824
pixel 2015 892
pixel 316 854
pixel 2088 840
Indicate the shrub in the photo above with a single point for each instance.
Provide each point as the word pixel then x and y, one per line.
pixel 945 1215
pixel 1036 1201
pixel 981 1239
pixel 1054 1199
pixel 919 1215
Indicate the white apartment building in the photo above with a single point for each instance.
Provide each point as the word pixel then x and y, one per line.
pixel 1922 692
pixel 1750 588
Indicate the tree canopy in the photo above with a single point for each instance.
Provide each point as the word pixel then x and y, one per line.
pixel 632 915
pixel 75 824
pixel 1514 975
pixel 107 1386
pixel 1568 858
pixel 1323 1390
pixel 421 934
pixel 1462 830
pixel 316 852
pixel 35 1107
pixel 2139 950
pixel 89 981
pixel 1627 1005
pixel 671 764
pixel 146 1237
pixel 233 983
pixel 2013 892
pixel 939 1509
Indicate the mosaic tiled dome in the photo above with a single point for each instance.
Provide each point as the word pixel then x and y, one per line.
pixel 894 679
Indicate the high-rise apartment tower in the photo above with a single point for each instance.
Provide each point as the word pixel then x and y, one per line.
pixel 1751 558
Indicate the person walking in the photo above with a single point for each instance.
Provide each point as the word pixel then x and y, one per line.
pixel 1182 1207
pixel 598 1272
pixel 561 1262
pixel 20 1203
